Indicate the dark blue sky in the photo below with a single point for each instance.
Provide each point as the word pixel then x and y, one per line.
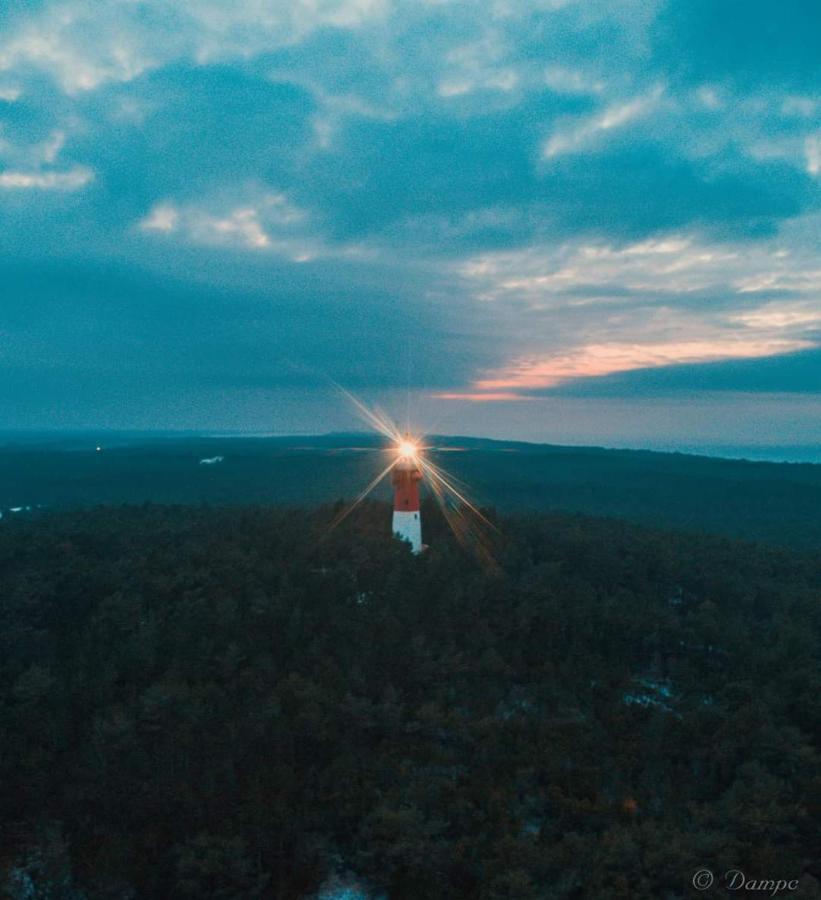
pixel 546 219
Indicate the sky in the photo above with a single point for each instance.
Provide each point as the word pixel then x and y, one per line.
pixel 560 220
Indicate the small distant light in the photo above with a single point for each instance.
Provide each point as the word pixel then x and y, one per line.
pixel 99 449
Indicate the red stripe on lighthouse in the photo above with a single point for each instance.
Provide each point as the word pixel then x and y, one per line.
pixel 406 488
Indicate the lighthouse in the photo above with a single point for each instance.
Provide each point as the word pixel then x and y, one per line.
pixel 407 521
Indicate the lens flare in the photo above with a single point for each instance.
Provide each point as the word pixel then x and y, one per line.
pixel 408 449
pixel 468 524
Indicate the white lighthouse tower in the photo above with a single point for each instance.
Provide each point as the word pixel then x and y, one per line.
pixel 407 520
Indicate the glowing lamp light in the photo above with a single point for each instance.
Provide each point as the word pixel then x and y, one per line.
pixel 407 449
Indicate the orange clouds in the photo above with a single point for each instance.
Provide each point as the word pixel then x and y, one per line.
pixel 595 360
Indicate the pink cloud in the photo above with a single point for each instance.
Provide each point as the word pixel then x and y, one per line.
pixel 480 396
pixel 596 360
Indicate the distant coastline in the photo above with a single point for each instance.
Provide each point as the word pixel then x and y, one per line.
pixel 88 437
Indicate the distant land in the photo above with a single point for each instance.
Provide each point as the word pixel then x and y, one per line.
pixel 84 438
pixel 779 503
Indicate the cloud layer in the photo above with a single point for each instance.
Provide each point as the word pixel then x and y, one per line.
pixel 545 197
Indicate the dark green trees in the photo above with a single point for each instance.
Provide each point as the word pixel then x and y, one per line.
pixel 237 703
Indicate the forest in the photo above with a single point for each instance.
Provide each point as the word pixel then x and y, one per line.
pixel 239 702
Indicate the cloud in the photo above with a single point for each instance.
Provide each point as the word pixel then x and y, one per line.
pixel 84 45
pixel 615 116
pixel 566 80
pixel 674 263
pixel 760 378
pixel 342 106
pixel 475 67
pixel 70 180
pixel 239 226
pixel 812 148
pixel 31 162
pixel 596 360
pixel 466 183
pixel 590 310
pixel 799 106
pixel 253 219
pixel 163 217
pixel 534 196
